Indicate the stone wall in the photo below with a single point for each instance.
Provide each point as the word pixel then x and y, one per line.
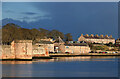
pixel 6 52
pixel 49 47
pixel 77 49
pixel 22 49
pixel 59 47
pixel 38 51
pixel 19 49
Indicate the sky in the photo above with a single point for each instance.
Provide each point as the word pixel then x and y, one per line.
pixel 68 17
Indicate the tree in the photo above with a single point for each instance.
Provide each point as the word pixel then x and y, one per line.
pixel 26 35
pixel 68 37
pixel 12 32
pixel 55 34
pixel 43 32
pixel 35 33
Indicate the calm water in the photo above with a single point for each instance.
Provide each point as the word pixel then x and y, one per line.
pixel 63 67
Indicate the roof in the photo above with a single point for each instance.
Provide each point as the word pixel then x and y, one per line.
pixel 59 40
pixel 76 44
pixel 23 41
pixel 82 41
pixel 45 42
pixel 94 37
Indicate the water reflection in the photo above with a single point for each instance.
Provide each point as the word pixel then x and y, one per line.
pixel 64 59
pixel 84 58
pixel 90 66
pixel 13 70
pixel 16 62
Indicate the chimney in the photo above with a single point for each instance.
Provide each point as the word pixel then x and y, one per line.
pixel 106 36
pixel 97 35
pixel 110 36
pixel 87 35
pixel 81 34
pixel 101 36
pixel 92 35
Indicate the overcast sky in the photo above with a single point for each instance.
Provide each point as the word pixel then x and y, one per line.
pixel 68 17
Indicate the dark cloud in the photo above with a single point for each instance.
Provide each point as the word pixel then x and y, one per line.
pixel 29 13
pixel 87 18
pixel 76 17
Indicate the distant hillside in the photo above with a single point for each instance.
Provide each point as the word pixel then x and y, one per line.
pixel 46 24
pixel 21 23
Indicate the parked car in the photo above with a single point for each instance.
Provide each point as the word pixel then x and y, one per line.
pixel 95 52
pixel 55 52
pixel 113 52
pixel 100 52
pixel 51 52
pixel 116 52
pixel 105 52
pixel 91 52
pixel 67 52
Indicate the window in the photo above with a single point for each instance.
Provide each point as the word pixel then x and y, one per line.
pixel 67 47
pixel 56 47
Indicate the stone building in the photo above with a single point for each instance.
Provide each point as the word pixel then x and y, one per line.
pixel 77 48
pixel 19 49
pixel 6 52
pixel 117 42
pixel 96 39
pixel 59 45
pixel 22 49
pixel 39 51
pixel 47 45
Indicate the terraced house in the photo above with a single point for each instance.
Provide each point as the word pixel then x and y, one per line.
pixel 96 38
pixel 77 48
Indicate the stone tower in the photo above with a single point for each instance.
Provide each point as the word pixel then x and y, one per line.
pixel 22 49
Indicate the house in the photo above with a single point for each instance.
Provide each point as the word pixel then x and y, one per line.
pixel 77 48
pixel 22 49
pixel 117 42
pixel 59 45
pixel 47 45
pixel 71 47
pixel 19 49
pixel 96 39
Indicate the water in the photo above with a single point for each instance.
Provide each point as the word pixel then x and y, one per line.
pixel 63 67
